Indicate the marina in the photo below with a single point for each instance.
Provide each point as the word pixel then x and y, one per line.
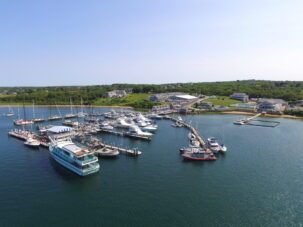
pixel 160 165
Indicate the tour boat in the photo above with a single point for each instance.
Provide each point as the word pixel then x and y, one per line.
pixel 32 142
pixel 78 160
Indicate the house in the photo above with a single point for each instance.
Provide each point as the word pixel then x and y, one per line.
pixel 204 105
pixel 115 94
pixel 271 105
pixel 240 96
pixel 183 98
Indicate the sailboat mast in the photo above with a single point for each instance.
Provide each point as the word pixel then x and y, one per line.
pixel 33 109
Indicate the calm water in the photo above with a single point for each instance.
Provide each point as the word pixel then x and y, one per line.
pixel 259 182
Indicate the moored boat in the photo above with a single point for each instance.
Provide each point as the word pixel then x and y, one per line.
pixel 32 142
pixel 78 160
pixel 107 152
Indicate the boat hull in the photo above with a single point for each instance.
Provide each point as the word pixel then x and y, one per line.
pixel 72 168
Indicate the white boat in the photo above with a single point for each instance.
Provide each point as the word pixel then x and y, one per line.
pixel 121 123
pixel 71 114
pixel 55 117
pixel 135 130
pixel 150 128
pixel 10 112
pixel 32 142
pixel 107 152
pixel 34 116
pixel 214 146
pixel 239 122
pixel 155 117
pixel 23 122
pixel 79 160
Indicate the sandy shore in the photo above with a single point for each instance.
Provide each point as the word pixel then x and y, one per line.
pixel 266 115
pixel 85 106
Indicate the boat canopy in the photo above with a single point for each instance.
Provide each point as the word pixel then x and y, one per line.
pixel 59 129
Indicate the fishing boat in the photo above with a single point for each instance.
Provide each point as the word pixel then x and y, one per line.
pixel 78 160
pixel 106 152
pixel 30 142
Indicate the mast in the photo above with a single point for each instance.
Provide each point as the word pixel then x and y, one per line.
pixel 71 108
pixel 33 109
pixel 24 112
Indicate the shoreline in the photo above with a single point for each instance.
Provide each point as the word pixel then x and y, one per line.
pixel 266 115
pixel 85 106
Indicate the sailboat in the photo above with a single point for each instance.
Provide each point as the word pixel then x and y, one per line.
pixel 81 114
pixel 34 118
pixel 22 121
pixel 55 117
pixel 70 115
pixel 10 112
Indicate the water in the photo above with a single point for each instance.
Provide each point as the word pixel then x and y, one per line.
pixel 259 182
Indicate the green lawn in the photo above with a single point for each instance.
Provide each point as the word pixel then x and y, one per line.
pixel 222 101
pixel 136 100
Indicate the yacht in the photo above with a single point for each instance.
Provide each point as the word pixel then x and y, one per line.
pixel 155 117
pixel 32 142
pixel 214 146
pixel 150 128
pixel 135 130
pixel 79 160
pixel 35 120
pixel 121 123
pixel 71 114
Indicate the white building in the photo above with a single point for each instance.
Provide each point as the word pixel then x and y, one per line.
pixel 115 93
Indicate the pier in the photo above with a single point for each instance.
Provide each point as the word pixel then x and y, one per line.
pixel 251 120
pixel 192 129
pixel 122 150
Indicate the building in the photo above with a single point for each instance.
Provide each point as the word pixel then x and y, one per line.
pixel 115 94
pixel 271 105
pixel 204 105
pixel 183 98
pixel 240 96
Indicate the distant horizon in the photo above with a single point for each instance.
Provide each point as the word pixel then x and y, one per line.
pixel 84 85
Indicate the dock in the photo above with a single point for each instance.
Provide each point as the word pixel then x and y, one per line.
pixel 122 150
pixel 192 129
pixel 125 134
pixel 251 120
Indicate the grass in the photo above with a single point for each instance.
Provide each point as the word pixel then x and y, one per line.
pixel 222 101
pixel 136 100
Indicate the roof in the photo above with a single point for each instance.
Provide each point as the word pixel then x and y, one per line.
pixel 59 129
pixel 186 96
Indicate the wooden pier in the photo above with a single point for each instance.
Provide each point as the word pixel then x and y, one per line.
pixel 122 150
pixel 192 129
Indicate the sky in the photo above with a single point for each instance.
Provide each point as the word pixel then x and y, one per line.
pixel 76 42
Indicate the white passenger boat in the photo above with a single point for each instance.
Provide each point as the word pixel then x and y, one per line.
pixel 79 160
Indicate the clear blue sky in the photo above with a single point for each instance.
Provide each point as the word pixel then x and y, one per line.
pixel 76 42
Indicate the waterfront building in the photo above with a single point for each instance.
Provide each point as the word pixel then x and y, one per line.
pixel 271 105
pixel 240 96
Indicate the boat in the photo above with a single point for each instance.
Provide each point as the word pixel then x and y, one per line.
pixel 107 152
pixel 35 120
pixel 22 121
pixel 32 142
pixel 82 113
pixel 214 145
pixel 55 117
pixel 121 123
pixel 177 124
pixel 70 123
pixel 10 112
pixel 239 122
pixel 199 156
pixel 192 149
pixel 78 160
pixel 155 117
pixel 150 128
pixel 71 114
pixel 135 130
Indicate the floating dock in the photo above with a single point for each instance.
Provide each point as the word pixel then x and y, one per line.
pixel 122 150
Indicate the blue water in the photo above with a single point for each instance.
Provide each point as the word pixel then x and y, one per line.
pixel 258 182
